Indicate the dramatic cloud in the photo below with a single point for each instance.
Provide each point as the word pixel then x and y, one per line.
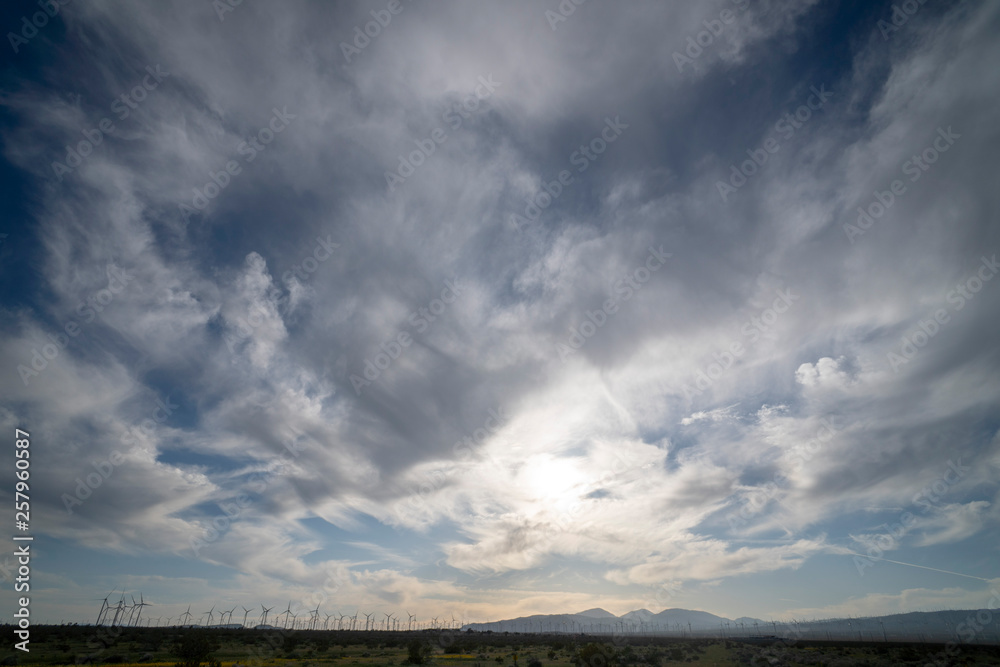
pixel 484 312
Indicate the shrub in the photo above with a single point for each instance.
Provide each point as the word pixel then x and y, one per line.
pixel 417 652
pixel 193 649
pixel 595 655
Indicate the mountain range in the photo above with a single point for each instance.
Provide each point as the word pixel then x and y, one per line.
pixel 965 626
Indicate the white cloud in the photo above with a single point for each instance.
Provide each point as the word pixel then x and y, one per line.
pixel 589 466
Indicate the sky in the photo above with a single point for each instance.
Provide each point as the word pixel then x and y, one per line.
pixel 480 310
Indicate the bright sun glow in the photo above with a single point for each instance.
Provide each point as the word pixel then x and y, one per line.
pixel 557 481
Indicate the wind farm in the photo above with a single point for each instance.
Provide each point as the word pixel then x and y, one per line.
pixel 938 626
pixel 125 630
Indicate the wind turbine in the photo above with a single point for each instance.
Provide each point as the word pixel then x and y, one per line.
pixel 287 613
pixel 211 615
pixel 123 606
pixel 409 625
pixel 264 611
pixel 113 618
pixel 104 607
pixel 119 608
pixel 314 618
pixel 367 617
pixel 186 615
pixel 131 614
pixel 387 617
pixel 142 603
pixel 326 621
pixel 246 612
pixel 230 612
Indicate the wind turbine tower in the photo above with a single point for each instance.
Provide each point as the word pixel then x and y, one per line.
pixel 264 611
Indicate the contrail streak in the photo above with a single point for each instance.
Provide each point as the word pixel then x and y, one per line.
pixel 924 567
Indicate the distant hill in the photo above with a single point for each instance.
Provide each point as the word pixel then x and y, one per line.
pixel 638 616
pixel 599 621
pixel 958 625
